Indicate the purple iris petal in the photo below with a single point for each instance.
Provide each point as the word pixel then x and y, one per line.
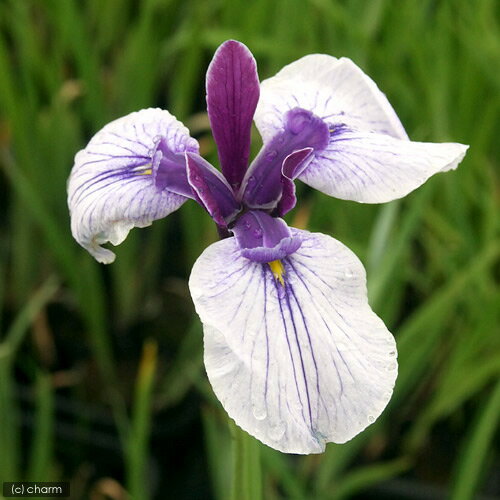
pixel 232 86
pixel 262 187
pixel 169 170
pixel 263 238
pixel 211 189
pixel 293 166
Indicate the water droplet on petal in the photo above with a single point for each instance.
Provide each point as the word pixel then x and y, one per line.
pixel 392 353
pixel 251 179
pixel 348 273
pixel 371 419
pixel 276 431
pixel 391 366
pixel 257 232
pixel 271 155
pixel 298 120
pixel 259 413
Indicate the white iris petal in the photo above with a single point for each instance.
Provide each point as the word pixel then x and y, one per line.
pixel 369 158
pixel 298 365
pixel 334 89
pixel 376 168
pixel 111 187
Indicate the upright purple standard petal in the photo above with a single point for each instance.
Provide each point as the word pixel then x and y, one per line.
pixel 232 95
pixel 298 364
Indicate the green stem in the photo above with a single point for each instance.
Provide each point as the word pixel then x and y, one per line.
pixel 247 479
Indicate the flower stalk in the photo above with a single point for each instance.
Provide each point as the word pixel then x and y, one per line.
pixel 247 472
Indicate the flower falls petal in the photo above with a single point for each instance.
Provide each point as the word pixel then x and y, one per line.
pixel 112 187
pixel 297 365
pixel 376 168
pixel 335 90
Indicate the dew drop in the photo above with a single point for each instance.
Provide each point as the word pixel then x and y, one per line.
pixel 276 431
pixel 257 232
pixel 251 179
pixel 247 225
pixel 348 273
pixel 298 120
pixel 271 155
pixel 391 366
pixel 259 413
pixel 392 353
pixel 371 419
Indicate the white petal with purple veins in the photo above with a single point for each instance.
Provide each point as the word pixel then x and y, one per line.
pixel 376 168
pixel 111 188
pixel 297 365
pixel 334 89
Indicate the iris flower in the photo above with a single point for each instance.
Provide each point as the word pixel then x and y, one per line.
pixel 292 349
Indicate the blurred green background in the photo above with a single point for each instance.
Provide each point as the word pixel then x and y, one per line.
pixel 101 374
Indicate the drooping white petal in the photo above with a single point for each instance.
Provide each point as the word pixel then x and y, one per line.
pixel 334 89
pixel 111 188
pixel 297 365
pixel 376 168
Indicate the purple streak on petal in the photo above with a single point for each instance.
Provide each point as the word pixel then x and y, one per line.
pixel 262 187
pixel 293 165
pixel 232 86
pixel 211 189
pixel 288 289
pixel 263 238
